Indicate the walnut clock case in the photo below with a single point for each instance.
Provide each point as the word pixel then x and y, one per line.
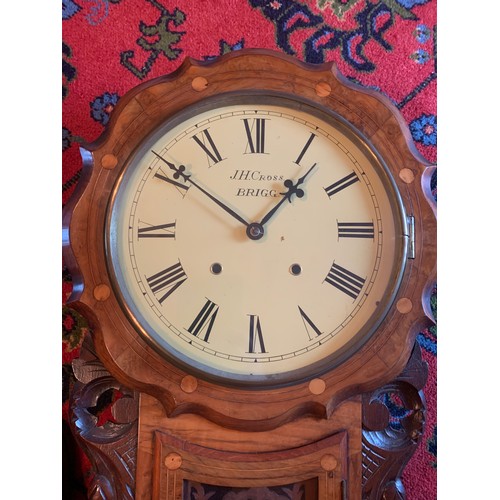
pixel 253 244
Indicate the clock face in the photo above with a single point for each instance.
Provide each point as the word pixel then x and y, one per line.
pixel 256 240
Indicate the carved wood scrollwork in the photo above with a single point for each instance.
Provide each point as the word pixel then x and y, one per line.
pixel 391 437
pixel 105 421
pixel 110 438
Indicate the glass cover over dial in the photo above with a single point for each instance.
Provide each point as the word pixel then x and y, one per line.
pixel 256 240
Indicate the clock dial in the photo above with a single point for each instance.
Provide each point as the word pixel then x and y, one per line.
pixel 256 240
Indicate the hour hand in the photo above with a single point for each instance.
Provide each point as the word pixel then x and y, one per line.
pixel 293 189
pixel 180 172
pixel 255 230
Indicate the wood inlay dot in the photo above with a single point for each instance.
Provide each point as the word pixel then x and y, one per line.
pixel 317 386
pixel 199 83
pixel 323 89
pixel 328 462
pixel 102 292
pixel 173 461
pixel 109 161
pixel 189 384
pixel 404 305
pixel 406 175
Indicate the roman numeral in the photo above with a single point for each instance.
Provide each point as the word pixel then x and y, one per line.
pixel 255 134
pixel 169 279
pixel 163 177
pixel 355 230
pixel 255 335
pixel 305 148
pixel 309 325
pixel 205 141
pixel 160 231
pixel 345 281
pixel 341 184
pixel 204 321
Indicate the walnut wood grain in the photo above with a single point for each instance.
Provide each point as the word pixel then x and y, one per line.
pixel 189 446
pixel 128 357
pixel 233 419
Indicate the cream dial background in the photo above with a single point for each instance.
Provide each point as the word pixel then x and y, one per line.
pixel 306 322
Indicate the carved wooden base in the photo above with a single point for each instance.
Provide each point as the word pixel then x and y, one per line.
pixel 388 444
pixel 105 419
pixel 185 457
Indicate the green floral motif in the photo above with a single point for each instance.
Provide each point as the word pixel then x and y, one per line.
pixel 157 39
pixel 74 328
pixel 340 7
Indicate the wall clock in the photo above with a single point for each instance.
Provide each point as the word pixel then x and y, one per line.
pixel 253 244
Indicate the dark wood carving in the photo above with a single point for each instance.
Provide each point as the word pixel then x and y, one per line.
pixel 387 447
pixel 296 491
pixel 104 417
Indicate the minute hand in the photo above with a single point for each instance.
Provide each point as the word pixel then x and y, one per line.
pixel 292 189
pixel 179 172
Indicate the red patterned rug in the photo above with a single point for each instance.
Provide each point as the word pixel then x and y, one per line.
pixel 110 46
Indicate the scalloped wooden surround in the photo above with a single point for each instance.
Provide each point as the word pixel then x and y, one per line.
pixel 190 429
